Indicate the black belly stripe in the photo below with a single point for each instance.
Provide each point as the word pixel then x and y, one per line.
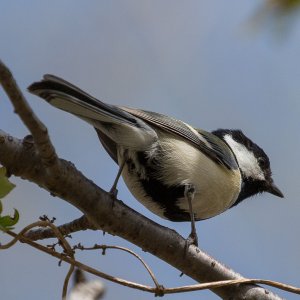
pixel 166 196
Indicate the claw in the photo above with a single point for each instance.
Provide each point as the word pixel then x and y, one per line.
pixel 113 194
pixel 192 240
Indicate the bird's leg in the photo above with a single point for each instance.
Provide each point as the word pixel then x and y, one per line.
pixel 189 193
pixel 114 191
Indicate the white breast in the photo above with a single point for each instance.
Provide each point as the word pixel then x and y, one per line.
pixel 217 188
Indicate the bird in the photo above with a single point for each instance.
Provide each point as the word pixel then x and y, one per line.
pixel 177 171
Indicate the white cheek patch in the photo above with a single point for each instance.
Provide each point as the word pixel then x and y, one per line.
pixel 247 161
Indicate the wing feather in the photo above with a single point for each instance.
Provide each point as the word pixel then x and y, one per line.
pixel 211 145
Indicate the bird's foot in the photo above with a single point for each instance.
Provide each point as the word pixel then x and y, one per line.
pixel 113 194
pixel 191 240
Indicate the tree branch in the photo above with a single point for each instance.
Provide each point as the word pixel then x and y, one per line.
pixel 30 120
pixel 76 225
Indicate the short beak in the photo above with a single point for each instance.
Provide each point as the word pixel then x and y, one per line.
pixel 273 189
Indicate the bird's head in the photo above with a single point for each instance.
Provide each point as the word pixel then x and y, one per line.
pixel 253 162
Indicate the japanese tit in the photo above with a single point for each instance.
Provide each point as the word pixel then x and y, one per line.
pixel 179 172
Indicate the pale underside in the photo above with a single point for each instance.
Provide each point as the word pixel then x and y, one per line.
pixel 216 187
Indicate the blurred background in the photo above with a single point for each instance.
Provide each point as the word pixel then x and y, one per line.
pixel 213 64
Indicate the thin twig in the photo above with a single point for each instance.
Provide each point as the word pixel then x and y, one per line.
pixel 32 122
pixel 66 281
pixel 18 236
pixel 223 283
pixel 63 242
pixel 182 289
pixel 104 247
pixel 81 265
pixel 68 250
pixel 66 246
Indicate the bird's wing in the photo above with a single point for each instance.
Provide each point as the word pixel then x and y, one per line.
pixel 113 125
pixel 211 145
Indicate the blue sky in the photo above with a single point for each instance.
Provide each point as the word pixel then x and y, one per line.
pixel 199 61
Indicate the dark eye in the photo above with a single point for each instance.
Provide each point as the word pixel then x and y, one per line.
pixel 262 162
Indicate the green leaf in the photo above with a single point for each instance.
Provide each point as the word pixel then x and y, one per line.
pixel 5 185
pixel 7 222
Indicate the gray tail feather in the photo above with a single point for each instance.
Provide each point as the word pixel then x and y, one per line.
pixel 55 88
